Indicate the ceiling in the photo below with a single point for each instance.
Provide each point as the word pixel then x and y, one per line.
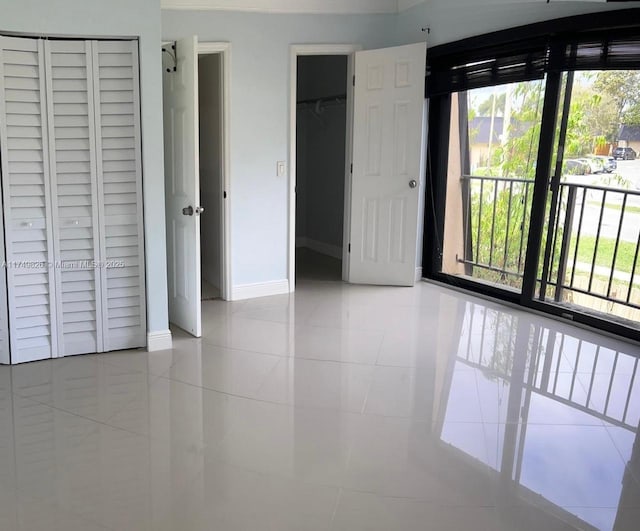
pixel 296 6
pixel 338 6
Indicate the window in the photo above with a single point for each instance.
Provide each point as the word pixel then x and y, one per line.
pixel 493 149
pixel 533 179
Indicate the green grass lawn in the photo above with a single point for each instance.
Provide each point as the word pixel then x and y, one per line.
pixel 613 206
pixel 606 247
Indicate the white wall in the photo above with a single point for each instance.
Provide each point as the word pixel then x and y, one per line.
pixel 210 99
pixel 118 18
pixel 259 122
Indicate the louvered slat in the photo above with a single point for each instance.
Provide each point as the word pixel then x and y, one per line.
pixel 72 152
pixel 120 191
pixel 26 202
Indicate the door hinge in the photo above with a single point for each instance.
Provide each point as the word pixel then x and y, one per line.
pixel 349 248
pixel 354 80
pixel 224 194
pixel 352 167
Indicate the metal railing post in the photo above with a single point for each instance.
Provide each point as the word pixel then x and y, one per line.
pixel 566 242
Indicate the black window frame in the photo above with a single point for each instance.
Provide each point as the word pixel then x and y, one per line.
pixel 569 43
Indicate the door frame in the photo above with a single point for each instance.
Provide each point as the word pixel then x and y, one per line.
pixel 224 49
pixel 297 50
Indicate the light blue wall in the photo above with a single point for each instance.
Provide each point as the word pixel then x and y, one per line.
pixel 113 18
pixel 260 55
pixel 409 24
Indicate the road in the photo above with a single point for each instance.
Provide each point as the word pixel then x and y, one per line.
pixel 625 178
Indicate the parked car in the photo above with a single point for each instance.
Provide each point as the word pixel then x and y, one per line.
pixel 609 163
pixel 576 167
pixel 594 166
pixel 624 153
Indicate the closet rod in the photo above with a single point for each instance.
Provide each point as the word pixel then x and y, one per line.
pixel 325 99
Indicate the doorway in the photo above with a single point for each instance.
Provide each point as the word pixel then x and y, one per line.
pixel 321 111
pixel 383 186
pixel 197 216
pixel 210 125
pixel 321 123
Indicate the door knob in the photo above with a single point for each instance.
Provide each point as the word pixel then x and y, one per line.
pixel 413 183
pixel 199 210
pixel 187 211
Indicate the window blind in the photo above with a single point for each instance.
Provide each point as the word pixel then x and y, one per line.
pixel 616 50
pixel 610 41
pixel 524 61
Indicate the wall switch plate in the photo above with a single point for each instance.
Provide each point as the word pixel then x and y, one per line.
pixel 280 168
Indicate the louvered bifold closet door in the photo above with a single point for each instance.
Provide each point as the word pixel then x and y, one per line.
pixel 72 156
pixel 116 93
pixel 5 351
pixel 26 200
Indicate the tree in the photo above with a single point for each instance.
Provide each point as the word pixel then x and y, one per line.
pixel 632 115
pixel 486 108
pixel 517 154
pixel 597 116
pixel 623 88
pixel 586 121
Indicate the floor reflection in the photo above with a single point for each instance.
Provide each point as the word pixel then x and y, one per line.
pixel 553 414
pixel 339 408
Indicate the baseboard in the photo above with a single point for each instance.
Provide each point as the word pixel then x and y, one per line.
pixel 327 249
pixel 418 274
pixel 160 340
pixel 260 289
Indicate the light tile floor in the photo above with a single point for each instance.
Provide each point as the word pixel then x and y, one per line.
pixel 339 408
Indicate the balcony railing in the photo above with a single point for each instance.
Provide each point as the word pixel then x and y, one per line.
pixel 495 225
pixel 594 248
pixel 599 381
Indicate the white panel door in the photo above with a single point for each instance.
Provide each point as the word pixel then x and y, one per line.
pixel 72 156
pixel 119 188
pixel 387 150
pixel 26 200
pixel 182 181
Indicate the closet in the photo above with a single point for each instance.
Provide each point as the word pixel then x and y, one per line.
pixel 71 198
